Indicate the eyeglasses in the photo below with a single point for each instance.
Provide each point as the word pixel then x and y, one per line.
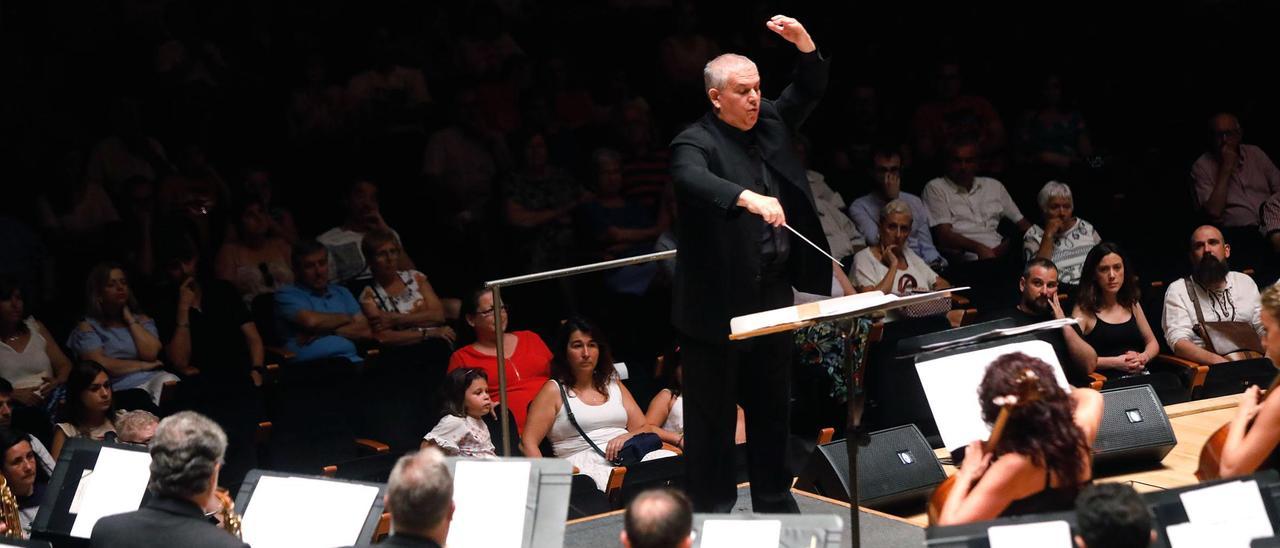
pixel 489 313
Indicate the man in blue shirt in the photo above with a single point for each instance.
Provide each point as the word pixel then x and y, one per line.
pixel 318 319
pixel 886 174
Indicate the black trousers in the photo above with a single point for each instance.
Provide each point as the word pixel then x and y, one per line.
pixel 717 376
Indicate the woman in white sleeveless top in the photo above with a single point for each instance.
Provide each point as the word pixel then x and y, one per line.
pixel 666 410
pixel 601 405
pixel 29 360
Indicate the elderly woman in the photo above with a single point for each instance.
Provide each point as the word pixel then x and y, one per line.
pixel 583 378
pixel 891 266
pixel 528 360
pixel 1064 239
pixel 117 336
pixel 401 306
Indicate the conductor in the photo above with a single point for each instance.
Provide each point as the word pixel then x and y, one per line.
pixel 737 181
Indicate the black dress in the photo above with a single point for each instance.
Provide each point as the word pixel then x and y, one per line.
pixel 1114 339
pixel 1050 499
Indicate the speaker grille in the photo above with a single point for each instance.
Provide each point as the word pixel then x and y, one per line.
pixel 897 464
pixel 1133 424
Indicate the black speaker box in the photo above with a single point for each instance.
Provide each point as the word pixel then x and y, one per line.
pixel 896 466
pixel 1134 430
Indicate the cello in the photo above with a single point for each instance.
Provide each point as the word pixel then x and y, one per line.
pixel 1210 466
pixel 1027 392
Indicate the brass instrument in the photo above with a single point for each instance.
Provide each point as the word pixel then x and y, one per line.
pixel 9 511
pixel 227 516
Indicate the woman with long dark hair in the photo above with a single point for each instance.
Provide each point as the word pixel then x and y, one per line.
pixel 89 410
pixel 1043 457
pixel 1110 317
pixel 582 368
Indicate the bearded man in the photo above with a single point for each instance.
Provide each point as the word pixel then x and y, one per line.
pixel 1224 296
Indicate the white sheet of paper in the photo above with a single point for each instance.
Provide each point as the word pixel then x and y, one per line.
pixel 1044 534
pixel 741 533
pixel 951 385
pixel 490 498
pixel 291 511
pixel 80 489
pixel 1192 535
pixel 118 481
pixel 1236 506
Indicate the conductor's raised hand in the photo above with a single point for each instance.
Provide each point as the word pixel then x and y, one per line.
pixel 767 207
pixel 792 31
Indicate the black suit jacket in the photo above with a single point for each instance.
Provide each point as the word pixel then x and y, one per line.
pixel 406 541
pixel 162 522
pixel 718 266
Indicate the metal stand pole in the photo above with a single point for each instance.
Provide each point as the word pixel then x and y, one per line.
pixel 853 424
pixel 502 370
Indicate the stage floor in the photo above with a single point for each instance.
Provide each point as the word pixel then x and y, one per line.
pixel 878 530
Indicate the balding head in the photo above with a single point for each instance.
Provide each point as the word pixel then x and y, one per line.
pixel 1224 131
pixel 420 495
pixel 658 518
pixel 733 86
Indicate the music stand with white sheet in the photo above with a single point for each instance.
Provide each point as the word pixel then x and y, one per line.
pixel 92 479
pixel 951 378
pixel 509 502
pixel 790 530
pixel 279 509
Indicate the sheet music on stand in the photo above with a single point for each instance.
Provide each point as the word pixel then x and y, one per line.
pixel 803 315
pixel 1000 333
pixel 282 509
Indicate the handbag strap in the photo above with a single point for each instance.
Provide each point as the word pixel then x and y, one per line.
pixel 1195 301
pixel 568 410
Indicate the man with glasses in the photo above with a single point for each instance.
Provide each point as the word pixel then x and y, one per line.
pixel 1232 180
pixel 886 178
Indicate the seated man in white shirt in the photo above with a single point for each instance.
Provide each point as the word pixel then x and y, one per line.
pixel 1224 296
pixel 346 261
pixel 966 210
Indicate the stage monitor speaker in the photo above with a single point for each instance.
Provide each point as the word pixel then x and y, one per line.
pixel 1134 428
pixel 896 466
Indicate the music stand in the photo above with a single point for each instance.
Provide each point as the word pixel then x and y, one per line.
pixel 1166 506
pixel 841 311
pixel 244 503
pixel 798 530
pixel 54 521
pixel 974 535
pixel 547 502
pixel 25 542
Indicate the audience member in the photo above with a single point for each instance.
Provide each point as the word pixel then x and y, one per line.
pixel 362 216
pixel 420 500
pixel 1252 434
pixel 584 410
pixel 462 431
pixel 1039 302
pixel 1215 294
pixel 255 261
pixel 119 337
pixel 527 358
pixel 658 518
pixel 462 163
pixel 966 209
pixel 136 427
pixel 665 413
pixel 126 152
pixel 1043 459
pixel 1233 179
pixel 891 266
pixel 1053 135
pixel 186 456
pixel 622 227
pixel 89 410
pixel 645 162
pixel 955 115
pixel 539 198
pixel 317 319
pixel 257 187
pixel 842 234
pixel 1112 515
pixel 30 358
pixel 886 178
pixel 43 458
pixel 1111 316
pixel 1064 239
pixel 401 306
pixel 1271 221
pixel 25 477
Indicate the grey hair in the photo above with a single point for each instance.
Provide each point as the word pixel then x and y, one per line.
pixel 129 424
pixel 897 205
pixel 717 70
pixel 1053 189
pixel 185 453
pixel 419 491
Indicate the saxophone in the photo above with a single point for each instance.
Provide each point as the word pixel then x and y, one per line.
pixel 227 516
pixel 9 511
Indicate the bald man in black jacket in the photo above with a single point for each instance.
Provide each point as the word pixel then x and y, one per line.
pixel 737 180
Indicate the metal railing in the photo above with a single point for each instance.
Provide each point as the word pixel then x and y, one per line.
pixel 496 287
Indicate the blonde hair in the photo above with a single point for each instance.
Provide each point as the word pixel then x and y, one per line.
pixel 1271 301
